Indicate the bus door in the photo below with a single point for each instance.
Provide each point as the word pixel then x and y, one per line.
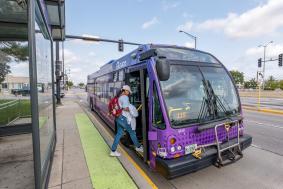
pixel 138 81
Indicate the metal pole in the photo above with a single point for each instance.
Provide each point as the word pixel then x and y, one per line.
pixel 99 39
pixel 53 86
pixel 259 96
pixel 57 74
pixel 192 36
pixel 263 78
pixel 63 62
pixel 34 94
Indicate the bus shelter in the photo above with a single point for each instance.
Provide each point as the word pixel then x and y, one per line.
pixel 28 31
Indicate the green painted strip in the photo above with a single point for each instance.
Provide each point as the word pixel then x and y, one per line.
pixel 105 171
pixel 42 121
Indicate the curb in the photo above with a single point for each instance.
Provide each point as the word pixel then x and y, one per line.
pixel 280 112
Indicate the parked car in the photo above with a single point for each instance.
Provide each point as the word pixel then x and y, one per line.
pixel 23 92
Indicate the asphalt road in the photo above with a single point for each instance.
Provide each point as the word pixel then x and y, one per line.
pixel 266 129
pixel 271 103
pixel 261 166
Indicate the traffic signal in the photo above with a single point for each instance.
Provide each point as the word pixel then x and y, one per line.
pixel 280 60
pixel 259 62
pixel 120 45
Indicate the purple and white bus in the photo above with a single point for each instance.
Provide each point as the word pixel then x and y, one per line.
pixel 190 112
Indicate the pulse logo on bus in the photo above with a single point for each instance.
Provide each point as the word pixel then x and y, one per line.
pixel 121 64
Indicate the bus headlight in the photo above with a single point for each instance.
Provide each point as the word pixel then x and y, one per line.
pixel 172 149
pixel 179 148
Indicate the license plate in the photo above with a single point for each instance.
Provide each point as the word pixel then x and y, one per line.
pixel 190 148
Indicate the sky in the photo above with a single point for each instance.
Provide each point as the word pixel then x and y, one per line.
pixel 230 30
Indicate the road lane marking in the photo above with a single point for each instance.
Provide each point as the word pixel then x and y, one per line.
pixel 264 124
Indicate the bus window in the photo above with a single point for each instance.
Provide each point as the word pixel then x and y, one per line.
pixel 158 120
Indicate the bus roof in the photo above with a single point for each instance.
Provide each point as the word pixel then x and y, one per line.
pixel 132 58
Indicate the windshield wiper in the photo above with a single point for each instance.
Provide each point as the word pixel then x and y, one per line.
pixel 204 110
pixel 211 102
pixel 216 100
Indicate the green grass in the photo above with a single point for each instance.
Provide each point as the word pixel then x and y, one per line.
pixel 20 109
pixel 105 171
pixel 4 101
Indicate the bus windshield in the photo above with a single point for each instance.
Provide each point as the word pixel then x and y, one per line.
pixel 185 55
pixel 198 94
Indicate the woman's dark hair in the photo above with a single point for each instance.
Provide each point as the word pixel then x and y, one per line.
pixel 119 93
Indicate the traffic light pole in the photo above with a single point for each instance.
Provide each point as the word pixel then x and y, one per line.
pixel 264 52
pixel 263 78
pixel 97 39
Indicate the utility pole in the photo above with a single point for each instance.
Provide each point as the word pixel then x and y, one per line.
pixel 264 60
pixel 192 36
pixel 58 73
pixel 63 64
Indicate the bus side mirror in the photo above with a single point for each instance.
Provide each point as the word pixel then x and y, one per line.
pixel 163 69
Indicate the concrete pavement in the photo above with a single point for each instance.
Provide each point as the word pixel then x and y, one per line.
pixel 69 169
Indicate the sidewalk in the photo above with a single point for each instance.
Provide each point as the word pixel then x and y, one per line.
pixel 69 169
pixel 81 157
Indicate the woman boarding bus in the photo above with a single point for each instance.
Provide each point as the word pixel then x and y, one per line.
pixel 190 112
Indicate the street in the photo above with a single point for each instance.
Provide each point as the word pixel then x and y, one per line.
pixel 261 166
pixel 271 103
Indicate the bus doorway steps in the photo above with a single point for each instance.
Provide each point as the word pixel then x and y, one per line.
pixel 230 151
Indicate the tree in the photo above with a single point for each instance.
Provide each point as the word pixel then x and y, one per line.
pixel 251 84
pixel 4 67
pixel 81 84
pixel 271 84
pixel 281 84
pixel 9 50
pixel 69 84
pixel 237 76
pixel 15 49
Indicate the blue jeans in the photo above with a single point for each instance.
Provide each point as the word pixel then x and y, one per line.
pixel 121 125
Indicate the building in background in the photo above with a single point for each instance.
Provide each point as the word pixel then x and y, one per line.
pixel 15 82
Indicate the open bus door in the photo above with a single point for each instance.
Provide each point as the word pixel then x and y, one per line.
pixel 138 81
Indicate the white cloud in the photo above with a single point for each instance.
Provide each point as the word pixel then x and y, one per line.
pixel 81 65
pixel 190 44
pixel 216 24
pixel 150 23
pixel 186 27
pixel 259 21
pixel 70 57
pixel 248 62
pixel 273 50
pixel 166 5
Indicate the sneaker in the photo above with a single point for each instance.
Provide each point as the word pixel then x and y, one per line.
pixel 140 149
pixel 115 154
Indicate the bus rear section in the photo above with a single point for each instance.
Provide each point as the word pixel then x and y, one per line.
pixel 196 114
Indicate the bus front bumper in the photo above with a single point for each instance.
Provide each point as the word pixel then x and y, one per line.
pixel 171 168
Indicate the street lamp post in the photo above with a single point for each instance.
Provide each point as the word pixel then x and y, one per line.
pixel 263 70
pixel 190 35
